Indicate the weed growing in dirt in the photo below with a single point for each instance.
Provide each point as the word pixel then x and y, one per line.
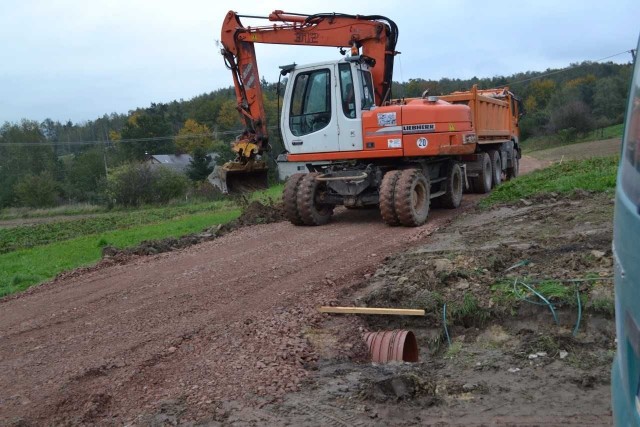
pixel 468 313
pixel 604 306
pixel 453 350
pixel 507 294
pixel 597 174
pixel 541 343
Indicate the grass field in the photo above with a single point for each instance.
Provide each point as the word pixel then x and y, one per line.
pixel 596 174
pixel 36 253
pixel 549 141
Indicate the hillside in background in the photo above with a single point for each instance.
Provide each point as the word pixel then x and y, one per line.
pixel 70 162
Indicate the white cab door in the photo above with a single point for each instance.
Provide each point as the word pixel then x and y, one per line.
pixel 309 123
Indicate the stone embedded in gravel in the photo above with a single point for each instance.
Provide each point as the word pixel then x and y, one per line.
pixel 442 265
pixel 171 349
pixel 469 386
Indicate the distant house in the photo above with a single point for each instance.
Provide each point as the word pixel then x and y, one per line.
pixel 176 162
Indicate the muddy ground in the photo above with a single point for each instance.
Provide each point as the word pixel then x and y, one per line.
pixel 508 362
pixel 226 331
pixel 187 331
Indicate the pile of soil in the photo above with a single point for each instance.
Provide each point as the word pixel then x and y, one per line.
pixel 257 213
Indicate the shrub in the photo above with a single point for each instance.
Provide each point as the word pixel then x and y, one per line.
pixel 135 184
pixel 37 191
pixel 167 185
pixel 574 114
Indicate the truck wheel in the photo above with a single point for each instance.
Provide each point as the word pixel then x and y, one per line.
pixel 482 183
pixel 513 171
pixel 496 167
pixel 452 197
pixel 412 198
pixel 387 198
pixel 311 212
pixel 290 199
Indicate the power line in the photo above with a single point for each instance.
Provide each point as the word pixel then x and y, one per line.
pixel 149 139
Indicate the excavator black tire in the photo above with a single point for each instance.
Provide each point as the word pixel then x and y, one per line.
pixel 453 186
pixel 412 198
pixel 496 168
pixel 310 211
pixel 290 199
pixel 387 197
pixel 482 183
pixel 514 170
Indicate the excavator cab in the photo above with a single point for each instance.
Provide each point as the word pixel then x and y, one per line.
pixel 323 104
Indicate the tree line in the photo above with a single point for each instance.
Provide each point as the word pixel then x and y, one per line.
pixel 48 163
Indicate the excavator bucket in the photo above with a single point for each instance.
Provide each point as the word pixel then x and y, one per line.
pixel 236 177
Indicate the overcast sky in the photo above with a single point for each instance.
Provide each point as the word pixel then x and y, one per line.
pixel 79 59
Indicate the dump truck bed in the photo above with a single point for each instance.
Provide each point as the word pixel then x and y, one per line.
pixel 494 113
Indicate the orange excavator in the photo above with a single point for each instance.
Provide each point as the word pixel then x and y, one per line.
pixel 376 35
pixel 360 146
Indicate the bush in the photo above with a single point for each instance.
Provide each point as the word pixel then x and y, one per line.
pixel 37 191
pixel 136 184
pixel 568 135
pixel 574 114
pixel 167 185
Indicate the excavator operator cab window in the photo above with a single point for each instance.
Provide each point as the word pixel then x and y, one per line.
pixel 366 101
pixel 311 102
pixel 347 91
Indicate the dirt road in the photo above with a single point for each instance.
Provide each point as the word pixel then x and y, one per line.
pixel 217 322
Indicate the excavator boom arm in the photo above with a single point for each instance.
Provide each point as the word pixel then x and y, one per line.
pixel 376 35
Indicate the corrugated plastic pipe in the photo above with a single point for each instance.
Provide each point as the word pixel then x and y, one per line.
pixel 387 346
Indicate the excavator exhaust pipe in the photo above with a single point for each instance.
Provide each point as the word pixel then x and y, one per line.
pixel 237 178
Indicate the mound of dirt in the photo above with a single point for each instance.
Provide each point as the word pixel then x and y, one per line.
pixel 257 213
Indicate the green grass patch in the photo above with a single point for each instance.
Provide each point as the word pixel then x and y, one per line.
pixel 66 210
pixel 453 350
pixel 271 194
pixel 27 236
pixel 544 142
pixel 26 267
pixel 597 174
pixel 35 253
pixel 468 312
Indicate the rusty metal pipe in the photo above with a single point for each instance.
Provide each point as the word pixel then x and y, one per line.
pixel 387 346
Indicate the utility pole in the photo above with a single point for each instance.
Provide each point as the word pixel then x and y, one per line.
pixel 633 54
pixel 104 154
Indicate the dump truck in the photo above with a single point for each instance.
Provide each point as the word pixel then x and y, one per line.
pixel 361 146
